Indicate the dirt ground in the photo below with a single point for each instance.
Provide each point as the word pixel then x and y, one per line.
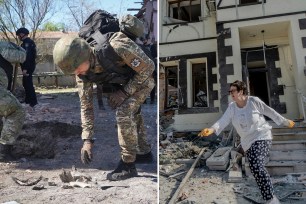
pixel 50 142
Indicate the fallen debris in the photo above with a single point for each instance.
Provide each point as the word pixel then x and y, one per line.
pixel 27 182
pixel 66 176
pixel 80 184
pixel 219 160
pixel 177 192
pixel 38 187
pixel 73 176
pixel 107 187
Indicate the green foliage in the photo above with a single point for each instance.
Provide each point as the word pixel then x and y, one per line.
pixel 49 26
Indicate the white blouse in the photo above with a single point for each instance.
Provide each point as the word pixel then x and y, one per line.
pixel 249 121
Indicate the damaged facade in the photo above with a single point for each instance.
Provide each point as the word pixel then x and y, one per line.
pixel 148 14
pixel 205 45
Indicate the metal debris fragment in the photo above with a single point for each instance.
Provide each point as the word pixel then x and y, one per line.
pixel 27 182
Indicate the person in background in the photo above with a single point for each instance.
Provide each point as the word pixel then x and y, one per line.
pixel 28 66
pixel 246 113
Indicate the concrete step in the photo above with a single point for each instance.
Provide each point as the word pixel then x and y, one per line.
pixel 288 130
pixel 281 168
pixel 298 155
pixel 287 136
pixel 288 145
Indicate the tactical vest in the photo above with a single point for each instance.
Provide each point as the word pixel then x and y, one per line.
pixel 111 62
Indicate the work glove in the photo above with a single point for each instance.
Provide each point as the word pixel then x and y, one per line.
pixel 86 154
pixel 289 123
pixel 117 98
pixel 206 132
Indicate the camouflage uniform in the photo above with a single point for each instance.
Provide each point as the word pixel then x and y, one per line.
pixel 11 111
pixel 131 133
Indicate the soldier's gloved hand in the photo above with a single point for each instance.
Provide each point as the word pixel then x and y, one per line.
pixel 117 98
pixel 206 132
pixel 86 154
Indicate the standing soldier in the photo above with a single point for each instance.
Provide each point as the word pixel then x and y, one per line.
pixel 12 115
pixel 28 66
pixel 123 62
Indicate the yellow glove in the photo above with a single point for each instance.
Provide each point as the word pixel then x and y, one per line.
pixel 206 132
pixel 291 124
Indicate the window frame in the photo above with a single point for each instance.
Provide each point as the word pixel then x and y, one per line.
pixel 185 3
pixel 242 2
pixel 190 81
pixel 167 85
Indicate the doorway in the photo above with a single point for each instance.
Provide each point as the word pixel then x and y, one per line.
pixel 258 82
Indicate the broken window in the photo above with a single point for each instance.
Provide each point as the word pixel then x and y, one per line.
pixel 171 87
pixel 185 10
pixel 242 2
pixel 199 85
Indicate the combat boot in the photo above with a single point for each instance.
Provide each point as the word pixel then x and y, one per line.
pixel 5 152
pixel 123 171
pixel 144 158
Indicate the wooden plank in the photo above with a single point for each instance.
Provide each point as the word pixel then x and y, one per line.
pixel 179 189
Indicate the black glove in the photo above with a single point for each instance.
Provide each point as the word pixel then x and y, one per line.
pixel 117 98
pixel 86 154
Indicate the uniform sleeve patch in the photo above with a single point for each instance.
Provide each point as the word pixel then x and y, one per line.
pixel 135 62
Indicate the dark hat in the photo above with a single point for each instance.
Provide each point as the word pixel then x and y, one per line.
pixel 22 30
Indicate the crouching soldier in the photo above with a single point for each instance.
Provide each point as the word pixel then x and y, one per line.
pixel 120 61
pixel 12 118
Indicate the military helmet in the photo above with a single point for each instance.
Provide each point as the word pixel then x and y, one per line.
pixel 69 52
pixel 22 30
pixel 132 25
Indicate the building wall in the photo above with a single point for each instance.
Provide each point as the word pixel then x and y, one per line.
pixel 228 35
pixel 228 11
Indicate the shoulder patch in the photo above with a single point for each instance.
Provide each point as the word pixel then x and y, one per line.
pixel 135 62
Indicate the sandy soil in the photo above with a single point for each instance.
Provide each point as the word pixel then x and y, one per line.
pixel 50 142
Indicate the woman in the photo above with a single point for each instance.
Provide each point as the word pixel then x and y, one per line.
pixel 247 116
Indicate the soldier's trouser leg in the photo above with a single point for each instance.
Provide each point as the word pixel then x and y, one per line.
pixel 13 118
pixel 27 82
pixel 126 121
pixel 143 147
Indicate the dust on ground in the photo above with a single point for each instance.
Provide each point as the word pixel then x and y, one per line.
pixel 50 142
pixel 178 151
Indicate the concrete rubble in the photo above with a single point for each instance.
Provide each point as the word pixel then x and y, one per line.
pixel 179 150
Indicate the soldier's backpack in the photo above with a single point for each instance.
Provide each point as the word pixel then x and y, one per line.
pixel 12 52
pixel 99 20
pixel 97 30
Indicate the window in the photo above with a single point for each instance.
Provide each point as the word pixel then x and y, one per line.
pixel 185 10
pixel 171 87
pixel 248 1
pixel 199 85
